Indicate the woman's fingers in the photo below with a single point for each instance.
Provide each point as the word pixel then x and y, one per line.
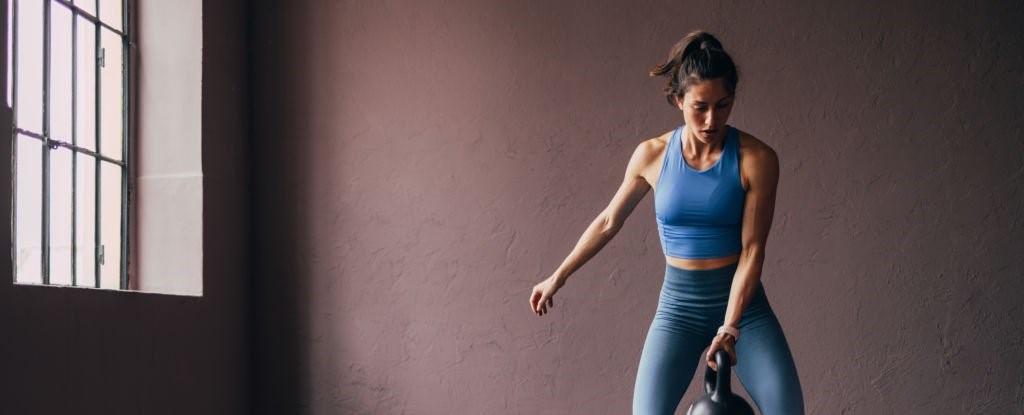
pixel 539 306
pixel 537 301
pixel 710 356
pixel 542 298
pixel 719 344
pixel 711 352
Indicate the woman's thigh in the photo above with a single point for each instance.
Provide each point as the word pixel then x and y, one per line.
pixel 667 364
pixel 766 369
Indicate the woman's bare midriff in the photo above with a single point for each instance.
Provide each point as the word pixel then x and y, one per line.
pixel 699 264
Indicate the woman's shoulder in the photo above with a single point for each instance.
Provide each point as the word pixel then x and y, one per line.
pixel 757 160
pixel 648 156
pixel 657 143
pixel 752 147
pixel 653 147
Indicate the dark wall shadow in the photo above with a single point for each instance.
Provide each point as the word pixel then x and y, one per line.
pixel 279 146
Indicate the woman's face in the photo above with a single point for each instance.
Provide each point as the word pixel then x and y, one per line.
pixel 706 107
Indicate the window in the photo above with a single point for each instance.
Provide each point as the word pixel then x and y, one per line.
pixel 68 77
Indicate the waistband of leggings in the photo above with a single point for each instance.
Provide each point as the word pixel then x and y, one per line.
pixel 728 270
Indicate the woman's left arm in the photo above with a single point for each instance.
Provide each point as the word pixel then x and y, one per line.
pixel 761 167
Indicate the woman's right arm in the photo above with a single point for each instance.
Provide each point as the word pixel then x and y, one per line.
pixel 608 223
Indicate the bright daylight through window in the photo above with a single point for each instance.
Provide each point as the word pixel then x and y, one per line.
pixel 67 77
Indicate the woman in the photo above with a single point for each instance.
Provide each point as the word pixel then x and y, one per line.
pixel 714 195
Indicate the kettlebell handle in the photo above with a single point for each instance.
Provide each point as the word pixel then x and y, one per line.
pixel 717 384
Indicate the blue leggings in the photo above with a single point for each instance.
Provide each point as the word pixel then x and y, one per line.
pixel 691 307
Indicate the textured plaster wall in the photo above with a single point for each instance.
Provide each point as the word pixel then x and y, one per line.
pixel 86 351
pixel 421 165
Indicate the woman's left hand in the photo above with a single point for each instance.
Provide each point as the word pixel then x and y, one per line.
pixel 723 341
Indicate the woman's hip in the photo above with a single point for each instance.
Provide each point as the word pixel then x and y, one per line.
pixel 701 297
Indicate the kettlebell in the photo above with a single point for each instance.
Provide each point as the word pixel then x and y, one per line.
pixel 719 399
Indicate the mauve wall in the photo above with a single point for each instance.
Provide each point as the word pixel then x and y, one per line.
pixel 84 351
pixel 421 165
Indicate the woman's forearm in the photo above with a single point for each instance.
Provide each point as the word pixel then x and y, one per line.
pixel 744 285
pixel 600 231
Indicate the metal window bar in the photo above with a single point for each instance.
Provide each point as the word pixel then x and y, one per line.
pixel 57 143
pixel 97 241
pixel 14 119
pixel 74 154
pixel 95 19
pixel 125 143
pixel 49 143
pixel 46 144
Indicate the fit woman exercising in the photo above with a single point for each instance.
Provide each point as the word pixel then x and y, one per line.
pixel 714 198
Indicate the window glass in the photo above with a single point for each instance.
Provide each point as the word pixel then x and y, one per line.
pixel 30 65
pixel 85 221
pixel 112 95
pixel 60 72
pixel 110 13
pixel 85 87
pixel 28 209
pixel 60 216
pixel 110 225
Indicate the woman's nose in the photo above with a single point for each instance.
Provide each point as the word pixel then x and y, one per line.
pixel 711 118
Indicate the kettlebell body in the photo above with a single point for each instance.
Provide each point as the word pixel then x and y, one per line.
pixel 719 399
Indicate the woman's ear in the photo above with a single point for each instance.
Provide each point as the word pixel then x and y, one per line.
pixel 679 101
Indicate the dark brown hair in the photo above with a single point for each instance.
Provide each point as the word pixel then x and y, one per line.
pixel 696 57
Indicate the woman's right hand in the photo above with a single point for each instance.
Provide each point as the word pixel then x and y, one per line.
pixel 541 298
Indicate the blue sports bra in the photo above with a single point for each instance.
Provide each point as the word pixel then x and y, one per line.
pixel 700 213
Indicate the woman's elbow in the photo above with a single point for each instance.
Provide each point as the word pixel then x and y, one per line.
pixel 753 253
pixel 609 225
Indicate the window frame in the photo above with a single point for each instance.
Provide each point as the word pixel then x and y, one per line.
pixel 48 143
